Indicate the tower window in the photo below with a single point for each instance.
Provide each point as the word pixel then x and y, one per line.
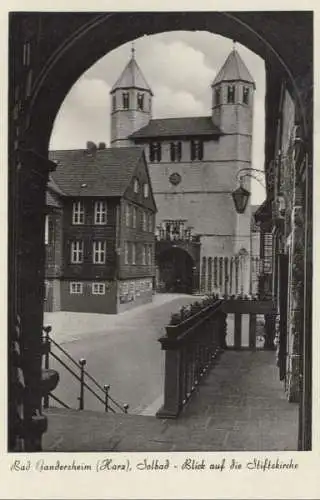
pixel 175 151
pixel 231 94
pixel 114 103
pixel 196 150
pixel 155 151
pixel 125 100
pixel 217 96
pixel 140 101
pixel 245 95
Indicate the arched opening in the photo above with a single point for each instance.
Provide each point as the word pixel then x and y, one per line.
pixel 175 271
pixel 57 48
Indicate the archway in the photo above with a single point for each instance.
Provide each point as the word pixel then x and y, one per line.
pixel 48 53
pixel 175 271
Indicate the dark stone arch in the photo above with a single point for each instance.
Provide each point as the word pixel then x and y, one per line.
pixel 176 269
pixel 94 35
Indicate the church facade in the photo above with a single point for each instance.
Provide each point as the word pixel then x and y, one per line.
pixel 194 162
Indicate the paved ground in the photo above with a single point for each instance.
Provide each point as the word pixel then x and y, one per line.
pixel 239 406
pixel 121 350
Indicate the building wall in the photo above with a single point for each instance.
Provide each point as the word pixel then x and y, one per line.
pixel 204 192
pixel 87 302
pixel 54 245
pixel 140 238
pixel 133 293
pixel 88 232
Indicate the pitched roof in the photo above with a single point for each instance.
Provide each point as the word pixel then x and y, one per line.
pixel 233 69
pixel 104 172
pixel 131 76
pixel 175 127
pixel 52 200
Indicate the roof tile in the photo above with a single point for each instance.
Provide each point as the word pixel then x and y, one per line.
pixel 177 127
pixel 104 172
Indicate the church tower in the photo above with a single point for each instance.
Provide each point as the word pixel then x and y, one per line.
pixel 232 97
pixel 131 104
pixel 232 111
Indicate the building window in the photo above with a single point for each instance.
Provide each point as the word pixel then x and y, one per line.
pixel 125 100
pixel 114 103
pixel 78 212
pixel 76 252
pixel 245 95
pixel 134 217
pixel 144 255
pixel 46 230
pixel 196 150
pixel 133 253
pixel 150 223
pixel 145 190
pixel 128 214
pixel 100 212
pixel 98 289
pixel 231 94
pixel 155 151
pixel 76 288
pixel 136 186
pixel 217 96
pixel 175 151
pixel 150 255
pixel 99 252
pixel 126 252
pixel 144 221
pixel 140 101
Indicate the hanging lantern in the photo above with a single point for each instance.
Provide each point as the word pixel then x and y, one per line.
pixel 240 199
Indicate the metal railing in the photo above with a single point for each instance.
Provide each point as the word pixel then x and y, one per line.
pixel 78 371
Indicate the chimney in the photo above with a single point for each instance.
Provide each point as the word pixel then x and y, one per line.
pixel 91 147
pixel 102 145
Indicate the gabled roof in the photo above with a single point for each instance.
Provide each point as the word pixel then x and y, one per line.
pixel 177 127
pixel 131 77
pixel 233 69
pixel 105 172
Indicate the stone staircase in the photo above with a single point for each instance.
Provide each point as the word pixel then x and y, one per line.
pixel 239 406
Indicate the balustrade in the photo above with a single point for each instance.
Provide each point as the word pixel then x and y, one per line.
pixel 191 349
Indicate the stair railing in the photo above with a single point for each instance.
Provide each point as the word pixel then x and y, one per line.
pixel 101 393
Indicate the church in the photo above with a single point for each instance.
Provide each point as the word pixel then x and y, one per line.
pixel 154 211
pixel 202 244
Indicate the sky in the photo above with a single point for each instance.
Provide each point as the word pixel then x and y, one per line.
pixel 179 67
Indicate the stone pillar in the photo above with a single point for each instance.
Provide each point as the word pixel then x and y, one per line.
pixel 296 305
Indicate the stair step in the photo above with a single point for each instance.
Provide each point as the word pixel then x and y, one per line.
pixel 86 430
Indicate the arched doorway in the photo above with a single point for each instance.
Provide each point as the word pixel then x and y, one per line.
pixel 175 271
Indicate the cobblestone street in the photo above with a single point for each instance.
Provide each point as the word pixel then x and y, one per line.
pixel 121 350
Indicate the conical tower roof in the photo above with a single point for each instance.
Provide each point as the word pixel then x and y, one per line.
pixel 233 70
pixel 132 77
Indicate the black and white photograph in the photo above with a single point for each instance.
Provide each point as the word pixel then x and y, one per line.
pixel 160 237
